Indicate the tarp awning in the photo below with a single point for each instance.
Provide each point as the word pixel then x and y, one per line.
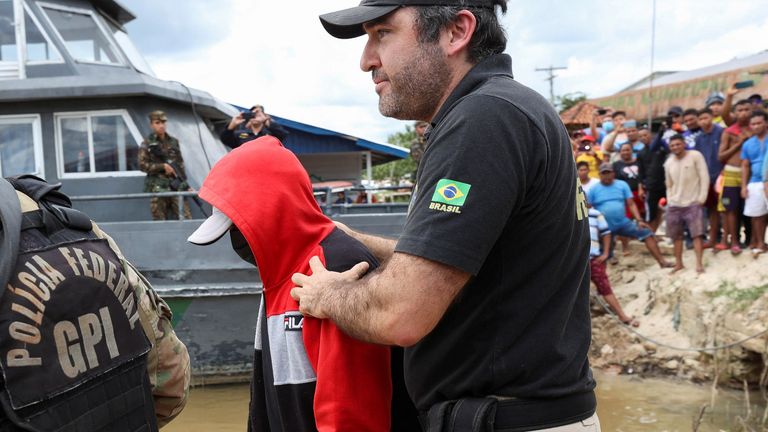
pixel 307 139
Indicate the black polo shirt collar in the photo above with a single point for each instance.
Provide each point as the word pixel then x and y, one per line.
pixel 495 65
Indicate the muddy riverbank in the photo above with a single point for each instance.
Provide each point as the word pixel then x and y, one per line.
pixel 680 314
pixel 625 404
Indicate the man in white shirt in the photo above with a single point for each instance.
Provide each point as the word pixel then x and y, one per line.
pixel 687 179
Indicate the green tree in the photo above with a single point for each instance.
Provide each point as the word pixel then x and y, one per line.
pixel 398 170
pixel 569 100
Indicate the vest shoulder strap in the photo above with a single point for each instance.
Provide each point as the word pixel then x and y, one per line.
pixel 10 227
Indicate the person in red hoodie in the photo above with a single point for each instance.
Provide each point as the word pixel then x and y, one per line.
pixel 308 374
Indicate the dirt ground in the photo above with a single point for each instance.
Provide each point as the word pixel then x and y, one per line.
pixel 684 311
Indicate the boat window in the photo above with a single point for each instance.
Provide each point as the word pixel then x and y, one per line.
pixel 39 46
pixel 82 35
pixel 130 50
pixel 97 143
pixel 8 50
pixel 20 145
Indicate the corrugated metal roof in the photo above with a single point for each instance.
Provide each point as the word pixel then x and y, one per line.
pixel 307 139
pixel 735 64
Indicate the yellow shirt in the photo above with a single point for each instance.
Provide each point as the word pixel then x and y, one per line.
pixel 594 163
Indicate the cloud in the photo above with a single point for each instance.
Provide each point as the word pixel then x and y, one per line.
pixel 278 54
pixel 178 29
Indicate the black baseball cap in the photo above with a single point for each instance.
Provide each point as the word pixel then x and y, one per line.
pixel 676 110
pixel 348 23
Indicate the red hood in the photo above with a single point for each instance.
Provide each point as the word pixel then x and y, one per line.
pixel 266 192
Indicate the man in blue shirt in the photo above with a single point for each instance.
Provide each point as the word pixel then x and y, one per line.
pixel 708 144
pixel 752 155
pixel 611 198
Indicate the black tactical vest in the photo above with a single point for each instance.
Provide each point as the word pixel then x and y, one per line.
pixel 72 350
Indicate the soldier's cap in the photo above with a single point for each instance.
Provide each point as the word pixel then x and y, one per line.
pixel 158 115
pixel 212 229
pixel 348 23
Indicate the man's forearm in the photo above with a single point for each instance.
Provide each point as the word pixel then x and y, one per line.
pixel 609 140
pixel 397 304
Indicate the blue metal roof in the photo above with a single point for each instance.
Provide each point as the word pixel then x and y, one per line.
pixel 307 139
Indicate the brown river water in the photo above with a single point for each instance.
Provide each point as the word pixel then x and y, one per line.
pixel 625 404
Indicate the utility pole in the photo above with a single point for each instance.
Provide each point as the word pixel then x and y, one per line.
pixel 551 79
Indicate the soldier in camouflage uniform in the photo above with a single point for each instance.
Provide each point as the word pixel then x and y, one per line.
pixel 167 361
pixel 419 145
pixel 160 157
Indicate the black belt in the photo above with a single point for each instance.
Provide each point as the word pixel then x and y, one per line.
pixel 511 415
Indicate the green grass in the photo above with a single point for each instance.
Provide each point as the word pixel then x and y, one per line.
pixel 742 296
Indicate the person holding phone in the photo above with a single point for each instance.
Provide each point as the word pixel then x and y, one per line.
pixel 249 125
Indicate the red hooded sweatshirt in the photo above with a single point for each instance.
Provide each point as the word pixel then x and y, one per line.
pixel 308 375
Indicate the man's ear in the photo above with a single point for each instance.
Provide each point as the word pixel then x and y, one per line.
pixel 459 33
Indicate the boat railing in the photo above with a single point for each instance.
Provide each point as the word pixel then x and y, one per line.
pixel 393 199
pixel 327 199
pixel 143 195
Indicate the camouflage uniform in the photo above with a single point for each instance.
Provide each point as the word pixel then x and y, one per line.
pixel 168 364
pixel 417 149
pixel 157 181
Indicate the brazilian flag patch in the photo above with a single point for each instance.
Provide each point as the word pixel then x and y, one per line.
pixel 451 192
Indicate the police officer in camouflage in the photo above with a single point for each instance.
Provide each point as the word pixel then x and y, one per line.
pixel 86 344
pixel 160 157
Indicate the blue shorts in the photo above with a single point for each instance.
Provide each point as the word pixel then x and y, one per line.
pixel 631 230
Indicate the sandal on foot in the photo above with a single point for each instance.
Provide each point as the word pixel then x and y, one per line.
pixel 719 248
pixel 735 250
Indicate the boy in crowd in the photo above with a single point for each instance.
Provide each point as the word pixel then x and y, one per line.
pixel 589 154
pixel 708 144
pixel 692 129
pixel 600 236
pixel 730 155
pixel 752 191
pixel 687 181
pixel 584 179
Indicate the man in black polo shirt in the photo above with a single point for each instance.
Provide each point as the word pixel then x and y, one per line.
pixel 487 286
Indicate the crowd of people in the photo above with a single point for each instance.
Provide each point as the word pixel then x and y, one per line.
pixel 703 173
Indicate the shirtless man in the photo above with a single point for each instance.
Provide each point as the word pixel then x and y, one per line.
pixel 730 154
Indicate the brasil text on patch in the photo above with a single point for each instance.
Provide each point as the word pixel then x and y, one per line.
pixel 449 196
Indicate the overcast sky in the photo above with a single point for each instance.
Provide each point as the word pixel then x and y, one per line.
pixel 277 54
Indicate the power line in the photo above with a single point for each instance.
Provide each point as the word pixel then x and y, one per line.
pixel 551 79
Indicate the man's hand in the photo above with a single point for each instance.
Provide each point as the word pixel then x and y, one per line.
pixel 169 170
pixel 732 90
pixel 235 122
pixel 744 192
pixel 602 258
pixel 643 224
pixel 310 290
